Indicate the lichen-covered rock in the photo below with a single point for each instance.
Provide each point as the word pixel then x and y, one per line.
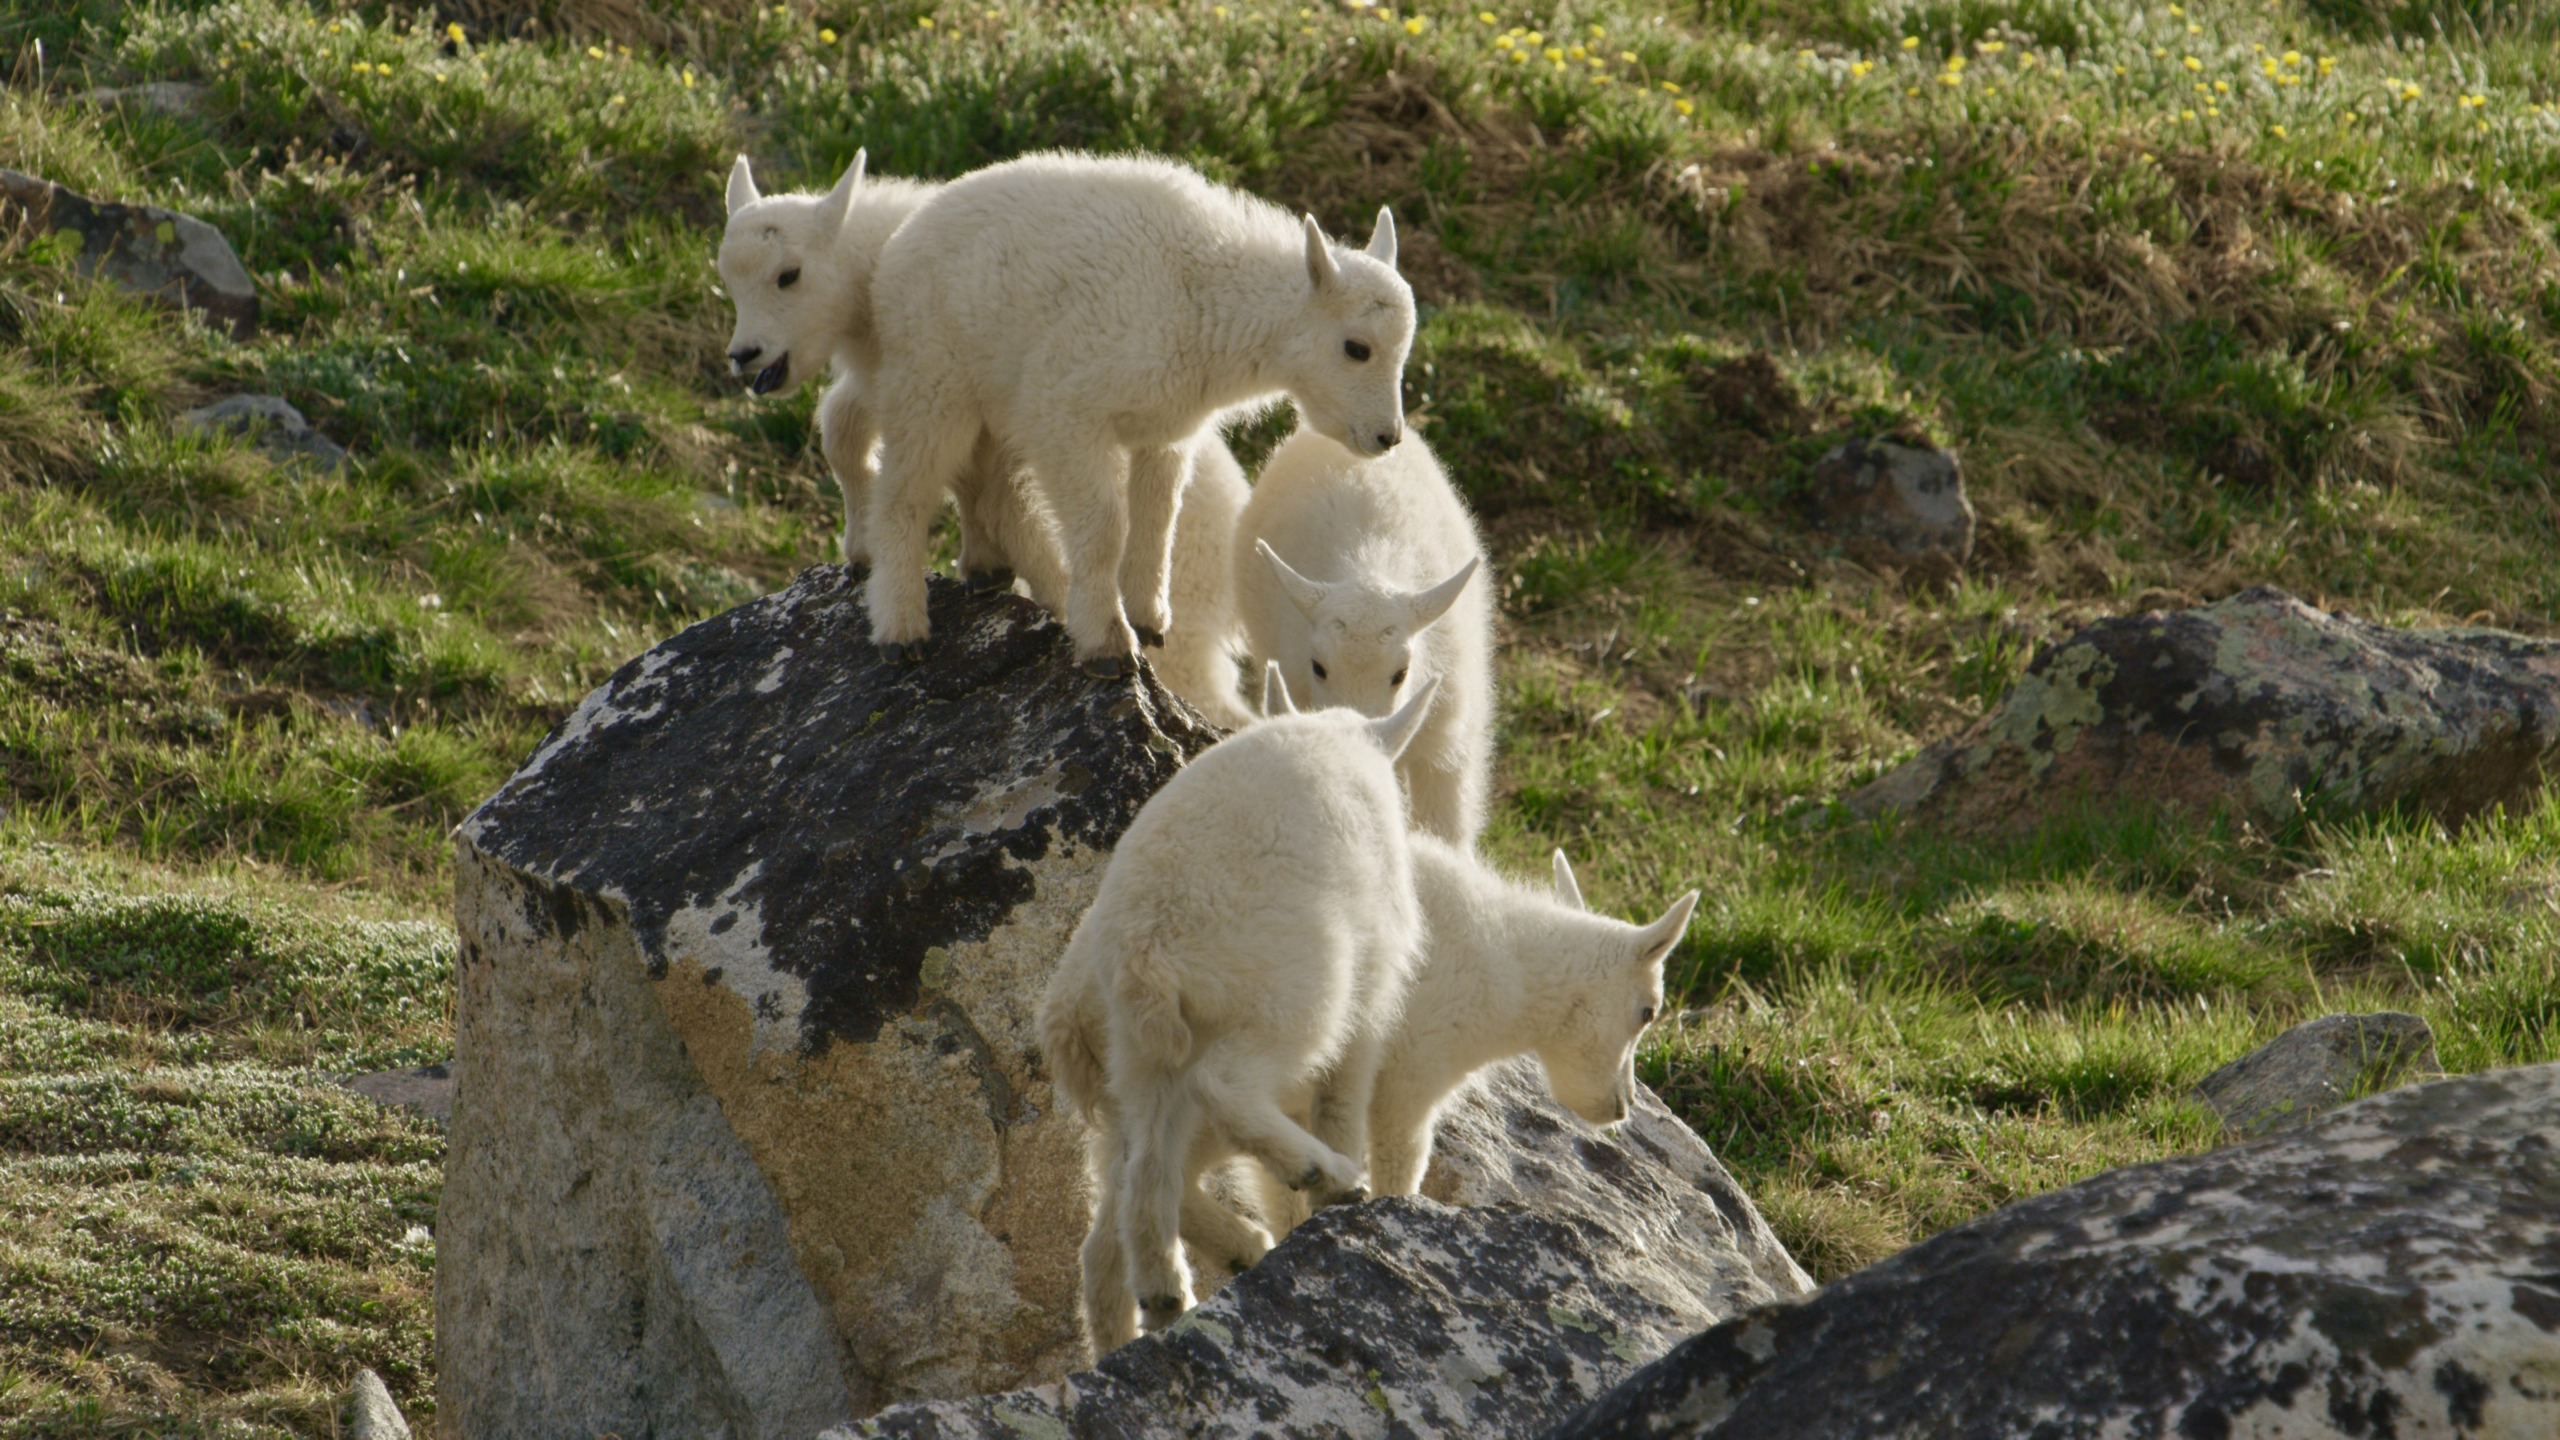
pixel 2391 1269
pixel 1894 502
pixel 270 423
pixel 749 1135
pixel 172 258
pixel 1581 1256
pixel 2319 1065
pixel 2258 704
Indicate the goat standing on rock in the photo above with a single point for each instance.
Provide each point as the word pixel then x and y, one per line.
pixel 1254 931
pixel 1092 314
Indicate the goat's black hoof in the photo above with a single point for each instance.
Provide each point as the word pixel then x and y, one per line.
pixel 988 581
pixel 1352 1196
pixel 909 652
pixel 1152 639
pixel 1160 1308
pixel 1105 667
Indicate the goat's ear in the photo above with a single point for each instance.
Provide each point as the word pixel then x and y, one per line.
pixel 1424 607
pixel 1394 732
pixel 840 199
pixel 1275 691
pixel 1566 890
pixel 1304 593
pixel 1382 238
pixel 742 186
pixel 1655 941
pixel 1321 271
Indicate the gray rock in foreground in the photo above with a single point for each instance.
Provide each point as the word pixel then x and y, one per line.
pixel 2258 705
pixel 175 259
pixel 2319 1065
pixel 272 424
pixel 371 1412
pixel 2392 1269
pixel 158 97
pixel 1578 1256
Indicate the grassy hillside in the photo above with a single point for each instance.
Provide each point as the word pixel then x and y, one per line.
pixel 2205 295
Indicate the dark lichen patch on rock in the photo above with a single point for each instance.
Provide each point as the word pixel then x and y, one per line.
pixel 2354 1267
pixel 766 772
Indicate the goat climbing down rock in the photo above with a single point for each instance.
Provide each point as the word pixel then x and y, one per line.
pixel 1253 931
pixel 1359 577
pixel 1091 313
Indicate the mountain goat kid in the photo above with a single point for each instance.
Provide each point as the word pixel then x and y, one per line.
pixel 798 267
pixel 1091 313
pixel 1358 577
pixel 1506 970
pixel 1253 931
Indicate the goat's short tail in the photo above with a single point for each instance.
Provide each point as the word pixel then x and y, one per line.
pixel 1151 1004
pixel 1070 1046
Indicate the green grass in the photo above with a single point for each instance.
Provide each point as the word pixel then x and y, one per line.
pixel 2300 326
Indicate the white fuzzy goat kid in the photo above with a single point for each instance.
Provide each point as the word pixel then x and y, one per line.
pixel 1092 313
pixel 1253 931
pixel 1360 577
pixel 1506 970
pixel 798 267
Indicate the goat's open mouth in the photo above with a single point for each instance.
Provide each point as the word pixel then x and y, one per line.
pixel 770 378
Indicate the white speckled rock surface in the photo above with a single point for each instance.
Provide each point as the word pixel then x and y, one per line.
pixel 1571 1258
pixel 2391 1269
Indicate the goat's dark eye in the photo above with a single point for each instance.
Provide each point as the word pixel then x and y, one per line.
pixel 1399 678
pixel 1319 668
pixel 1355 349
pixel 1646 1017
pixel 788 278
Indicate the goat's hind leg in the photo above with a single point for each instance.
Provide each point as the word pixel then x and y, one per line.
pixel 1110 1310
pixel 1245 1110
pixel 1162 1120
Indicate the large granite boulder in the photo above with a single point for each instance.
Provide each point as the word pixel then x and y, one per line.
pixel 2392 1269
pixel 175 259
pixel 1582 1255
pixel 749 1134
pixel 2258 704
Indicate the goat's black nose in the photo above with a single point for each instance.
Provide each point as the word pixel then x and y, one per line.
pixel 745 355
pixel 1387 440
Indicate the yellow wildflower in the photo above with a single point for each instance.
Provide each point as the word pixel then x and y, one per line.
pixel 1954 63
pixel 2277 131
pixel 2192 63
pixel 1991 47
pixel 1599 32
pixel 1414 25
pixel 1554 54
pixel 453 31
pixel 1577 52
pixel 1670 88
pixel 1910 42
pixel 2222 87
pixel 828 37
pixel 1486 17
pixel 1501 42
pixel 1950 78
pixel 1518 57
pixel 2327 64
pixel 2195 29
pixel 924 22
pixel 2293 57
pixel 1684 107
pixel 594 54
pixel 361 68
pixel 2186 114
pixel 1626 57
pixel 688 77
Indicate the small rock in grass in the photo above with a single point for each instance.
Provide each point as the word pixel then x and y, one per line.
pixel 175 259
pixel 158 97
pixel 426 1089
pixel 1905 502
pixel 2317 1065
pixel 371 1413
pixel 2257 705
pixel 275 426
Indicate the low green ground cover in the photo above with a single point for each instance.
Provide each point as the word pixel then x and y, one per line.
pixel 2205 295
